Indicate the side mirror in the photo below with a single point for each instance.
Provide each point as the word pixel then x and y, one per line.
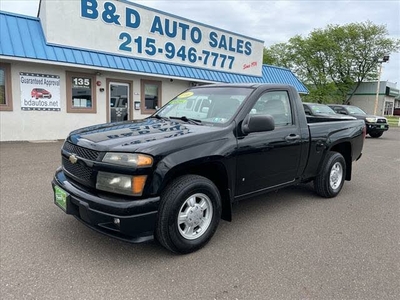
pixel 258 123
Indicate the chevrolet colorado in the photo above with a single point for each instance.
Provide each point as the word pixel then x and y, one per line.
pixel 175 174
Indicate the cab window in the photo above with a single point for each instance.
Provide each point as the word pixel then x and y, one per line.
pixel 277 105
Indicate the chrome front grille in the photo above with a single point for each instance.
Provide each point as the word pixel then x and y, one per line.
pixel 381 120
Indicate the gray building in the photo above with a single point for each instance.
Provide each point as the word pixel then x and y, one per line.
pixel 388 98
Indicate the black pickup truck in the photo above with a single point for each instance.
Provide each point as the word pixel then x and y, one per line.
pixel 173 177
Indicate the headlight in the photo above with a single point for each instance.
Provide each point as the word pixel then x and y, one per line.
pixel 121 184
pixel 128 159
pixel 371 120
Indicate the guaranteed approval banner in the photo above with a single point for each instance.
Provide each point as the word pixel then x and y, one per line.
pixel 40 92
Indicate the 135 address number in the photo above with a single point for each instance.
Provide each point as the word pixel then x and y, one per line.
pixel 81 81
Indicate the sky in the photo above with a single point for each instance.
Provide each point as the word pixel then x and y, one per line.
pixel 271 21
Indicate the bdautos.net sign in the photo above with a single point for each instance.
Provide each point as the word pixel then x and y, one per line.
pixel 40 91
pixel 130 29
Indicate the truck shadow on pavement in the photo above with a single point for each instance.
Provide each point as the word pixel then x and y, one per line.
pixel 249 214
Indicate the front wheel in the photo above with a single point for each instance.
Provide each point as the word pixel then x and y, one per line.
pixel 189 214
pixel 376 134
pixel 330 180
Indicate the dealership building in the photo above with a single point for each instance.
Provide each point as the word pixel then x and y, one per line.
pixel 88 62
pixel 384 95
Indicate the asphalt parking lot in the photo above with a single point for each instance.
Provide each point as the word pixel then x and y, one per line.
pixel 289 244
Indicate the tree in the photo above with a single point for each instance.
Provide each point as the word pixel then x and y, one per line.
pixel 334 61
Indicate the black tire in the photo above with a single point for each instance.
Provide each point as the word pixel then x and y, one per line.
pixel 174 199
pixel 376 134
pixel 334 162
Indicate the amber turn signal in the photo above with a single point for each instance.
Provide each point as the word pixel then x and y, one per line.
pixel 138 183
pixel 144 161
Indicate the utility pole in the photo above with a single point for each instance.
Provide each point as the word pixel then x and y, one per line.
pixel 384 59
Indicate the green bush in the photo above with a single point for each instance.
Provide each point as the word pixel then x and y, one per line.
pixel 393 120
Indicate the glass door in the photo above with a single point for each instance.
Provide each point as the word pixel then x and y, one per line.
pixel 119 102
pixel 388 108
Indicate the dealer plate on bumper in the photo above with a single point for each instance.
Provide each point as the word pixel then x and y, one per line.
pixel 60 198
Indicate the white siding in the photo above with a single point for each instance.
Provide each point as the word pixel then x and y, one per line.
pixel 18 125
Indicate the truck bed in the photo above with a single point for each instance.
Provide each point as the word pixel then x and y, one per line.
pixel 321 137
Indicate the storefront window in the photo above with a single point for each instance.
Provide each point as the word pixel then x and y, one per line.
pixel 5 87
pixel 81 96
pixel 151 96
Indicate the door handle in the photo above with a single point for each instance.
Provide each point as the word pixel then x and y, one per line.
pixel 292 137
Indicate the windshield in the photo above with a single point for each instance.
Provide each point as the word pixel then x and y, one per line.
pixel 354 110
pixel 207 104
pixel 320 109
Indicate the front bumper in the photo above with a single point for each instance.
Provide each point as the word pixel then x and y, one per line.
pixel 376 127
pixel 132 221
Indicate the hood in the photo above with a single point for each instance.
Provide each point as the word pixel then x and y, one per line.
pixel 358 116
pixel 373 116
pixel 150 136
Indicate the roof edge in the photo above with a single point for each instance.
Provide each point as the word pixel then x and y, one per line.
pixel 276 67
pixel 3 12
pixel 105 69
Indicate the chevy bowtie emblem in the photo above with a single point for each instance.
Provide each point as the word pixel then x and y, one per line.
pixel 73 159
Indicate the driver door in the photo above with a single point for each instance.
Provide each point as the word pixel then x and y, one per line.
pixel 269 159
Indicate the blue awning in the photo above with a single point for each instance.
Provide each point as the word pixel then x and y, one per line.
pixel 23 37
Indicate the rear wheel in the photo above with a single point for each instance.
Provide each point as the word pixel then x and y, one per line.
pixel 189 214
pixel 376 134
pixel 330 180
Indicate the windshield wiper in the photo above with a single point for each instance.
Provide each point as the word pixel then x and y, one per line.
pixel 188 120
pixel 160 118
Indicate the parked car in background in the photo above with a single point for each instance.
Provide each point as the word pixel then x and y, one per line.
pixel 376 125
pixel 40 93
pixel 316 112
